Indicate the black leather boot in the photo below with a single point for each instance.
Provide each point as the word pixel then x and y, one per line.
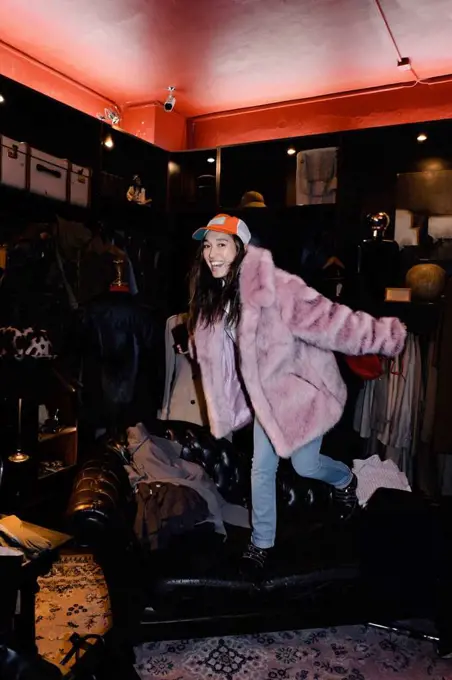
pixel 253 562
pixel 346 499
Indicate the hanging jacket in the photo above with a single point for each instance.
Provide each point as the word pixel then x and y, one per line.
pixel 286 338
pixel 316 179
pixel 122 360
pixel 183 398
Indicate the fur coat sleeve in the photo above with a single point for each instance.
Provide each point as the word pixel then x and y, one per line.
pixel 331 326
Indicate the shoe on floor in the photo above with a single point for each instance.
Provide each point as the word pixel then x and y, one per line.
pixel 346 499
pixel 253 562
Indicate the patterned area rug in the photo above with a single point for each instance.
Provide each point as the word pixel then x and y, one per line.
pixel 72 597
pixel 352 653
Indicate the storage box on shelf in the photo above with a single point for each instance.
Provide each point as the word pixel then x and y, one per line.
pixel 29 169
pixel 48 175
pixel 79 185
pixel 13 168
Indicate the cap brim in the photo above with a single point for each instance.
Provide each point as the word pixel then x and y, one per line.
pixel 199 234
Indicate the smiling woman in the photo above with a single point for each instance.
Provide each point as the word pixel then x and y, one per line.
pixel 214 275
pixel 220 251
pixel 264 342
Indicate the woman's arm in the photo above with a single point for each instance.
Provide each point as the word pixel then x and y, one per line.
pixel 332 326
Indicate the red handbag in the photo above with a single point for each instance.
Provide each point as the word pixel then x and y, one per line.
pixel 368 367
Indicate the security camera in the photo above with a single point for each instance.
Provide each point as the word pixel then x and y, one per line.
pixel 170 101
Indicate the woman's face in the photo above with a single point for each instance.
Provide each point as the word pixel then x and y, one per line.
pixel 219 251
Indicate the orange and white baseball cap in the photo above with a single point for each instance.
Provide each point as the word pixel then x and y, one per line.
pixel 227 225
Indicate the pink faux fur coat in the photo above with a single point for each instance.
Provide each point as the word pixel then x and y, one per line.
pixel 286 337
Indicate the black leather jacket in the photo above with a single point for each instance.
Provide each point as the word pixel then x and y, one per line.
pixel 121 344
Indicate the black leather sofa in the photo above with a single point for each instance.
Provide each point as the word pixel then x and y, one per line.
pixel 385 565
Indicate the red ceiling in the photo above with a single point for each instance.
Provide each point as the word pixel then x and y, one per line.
pixel 229 54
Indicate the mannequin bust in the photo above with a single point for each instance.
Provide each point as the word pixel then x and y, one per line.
pixel 378 258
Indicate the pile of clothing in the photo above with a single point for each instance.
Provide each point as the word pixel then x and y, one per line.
pixel 374 473
pixel 173 495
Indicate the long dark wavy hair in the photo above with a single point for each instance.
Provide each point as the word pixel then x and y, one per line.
pixel 210 297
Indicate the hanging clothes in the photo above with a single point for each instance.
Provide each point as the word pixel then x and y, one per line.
pixel 430 392
pixel 427 471
pixel 442 430
pixel 153 268
pixel 388 410
pixel 316 179
pixel 400 407
pixel 183 397
pixel 119 342
pixel 436 430
pixel 362 422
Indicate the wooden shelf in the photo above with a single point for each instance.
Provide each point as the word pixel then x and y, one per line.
pixel 50 473
pixel 60 445
pixel 47 437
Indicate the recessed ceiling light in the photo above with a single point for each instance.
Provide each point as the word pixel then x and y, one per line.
pixel 108 142
pixel 173 168
pixel 211 159
pixel 422 137
pixel 2 99
pixel 291 151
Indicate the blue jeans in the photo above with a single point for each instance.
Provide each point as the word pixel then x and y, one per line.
pixel 307 462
